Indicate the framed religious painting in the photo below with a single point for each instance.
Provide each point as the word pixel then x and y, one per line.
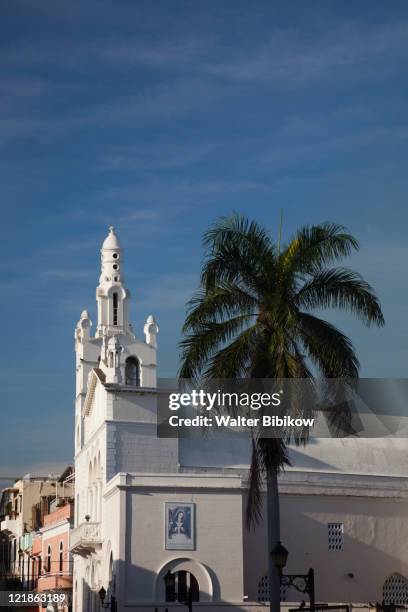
pixel 179 526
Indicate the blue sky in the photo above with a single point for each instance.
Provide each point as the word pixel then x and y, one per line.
pixel 158 117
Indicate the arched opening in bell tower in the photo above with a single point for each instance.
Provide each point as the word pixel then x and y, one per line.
pixel 132 372
pixel 115 308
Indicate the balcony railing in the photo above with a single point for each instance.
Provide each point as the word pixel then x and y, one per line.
pixel 10 524
pixel 55 582
pixel 86 539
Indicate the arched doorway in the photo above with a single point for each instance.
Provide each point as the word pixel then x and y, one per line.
pixel 181 586
pixel 184 574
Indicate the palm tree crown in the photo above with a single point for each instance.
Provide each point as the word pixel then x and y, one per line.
pixel 252 316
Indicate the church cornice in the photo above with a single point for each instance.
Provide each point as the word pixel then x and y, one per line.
pixel 343 485
pixel 122 388
pixel 216 483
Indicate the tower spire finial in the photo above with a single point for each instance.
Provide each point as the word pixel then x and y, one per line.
pixel 111 295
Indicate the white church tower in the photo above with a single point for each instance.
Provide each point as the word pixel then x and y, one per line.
pixel 115 423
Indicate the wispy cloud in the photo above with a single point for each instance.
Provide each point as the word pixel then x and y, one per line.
pixel 185 192
pixel 191 75
pixel 289 60
pixel 172 291
pixel 63 274
pixel 160 102
pixel 167 155
pixel 179 54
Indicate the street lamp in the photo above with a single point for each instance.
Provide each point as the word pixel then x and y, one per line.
pixel 102 595
pixel 279 556
pixel 303 583
pixel 109 604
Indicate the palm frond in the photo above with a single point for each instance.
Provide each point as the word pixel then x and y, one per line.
pixel 255 479
pixel 198 347
pixel 223 301
pixel 237 228
pixel 234 360
pixel 237 251
pixel 317 246
pixel 331 350
pixel 273 452
pixel 343 289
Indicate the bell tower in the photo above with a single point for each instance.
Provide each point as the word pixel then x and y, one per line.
pixel 111 295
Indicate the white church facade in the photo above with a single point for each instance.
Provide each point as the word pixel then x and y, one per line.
pixel 149 508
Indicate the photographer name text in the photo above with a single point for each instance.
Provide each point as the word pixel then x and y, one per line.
pixel 239 421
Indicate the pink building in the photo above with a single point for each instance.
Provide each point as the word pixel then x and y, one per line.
pixel 50 551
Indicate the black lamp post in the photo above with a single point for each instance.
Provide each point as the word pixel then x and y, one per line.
pixel 102 596
pixel 109 604
pixel 303 583
pixel 279 556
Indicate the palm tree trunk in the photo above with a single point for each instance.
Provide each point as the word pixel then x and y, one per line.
pixel 273 518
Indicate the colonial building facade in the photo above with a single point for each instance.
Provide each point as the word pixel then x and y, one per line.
pixel 156 518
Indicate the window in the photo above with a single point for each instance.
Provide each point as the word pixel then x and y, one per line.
pixel 61 557
pixel 395 590
pixel 48 560
pixel 335 536
pixel 132 372
pixel 115 308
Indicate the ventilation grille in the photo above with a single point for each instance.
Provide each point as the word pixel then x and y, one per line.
pixel 335 534
pixel 263 590
pixel 395 590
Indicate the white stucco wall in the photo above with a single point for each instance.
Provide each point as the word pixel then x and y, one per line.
pixel 218 522
pixel 375 532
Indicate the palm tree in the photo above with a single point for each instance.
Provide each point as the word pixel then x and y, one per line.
pixel 252 318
